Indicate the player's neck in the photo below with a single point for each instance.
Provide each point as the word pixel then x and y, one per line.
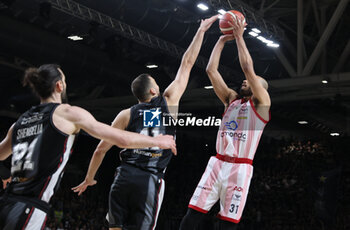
pixel 148 100
pixel 54 98
pixel 246 98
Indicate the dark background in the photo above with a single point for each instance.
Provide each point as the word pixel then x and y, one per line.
pixel 288 190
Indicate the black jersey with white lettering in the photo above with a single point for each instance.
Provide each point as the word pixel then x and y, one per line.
pixel 148 119
pixel 39 153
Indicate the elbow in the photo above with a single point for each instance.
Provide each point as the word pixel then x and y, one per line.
pixel 124 142
pixel 187 62
pixel 99 152
pixel 246 67
pixel 210 70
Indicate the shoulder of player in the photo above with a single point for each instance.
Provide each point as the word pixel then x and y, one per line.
pixel 69 112
pixel 125 112
pixel 122 119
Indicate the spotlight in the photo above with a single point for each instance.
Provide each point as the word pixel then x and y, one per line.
pixel 303 122
pixel 253 34
pixel 151 66
pixel 75 38
pixel 202 6
pixel 256 30
pixel 274 45
pixel 222 11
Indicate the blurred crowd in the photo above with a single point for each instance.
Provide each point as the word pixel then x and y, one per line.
pixel 296 185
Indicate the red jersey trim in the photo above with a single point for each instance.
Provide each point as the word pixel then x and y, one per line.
pixel 235 160
pixel 228 219
pixel 155 215
pixel 257 114
pixel 28 218
pixel 197 208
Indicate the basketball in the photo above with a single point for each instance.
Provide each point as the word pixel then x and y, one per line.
pixel 229 16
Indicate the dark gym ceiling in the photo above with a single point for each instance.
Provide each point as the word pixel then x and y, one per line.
pixel 121 36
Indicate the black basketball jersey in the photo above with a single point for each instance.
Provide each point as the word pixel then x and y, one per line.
pixel 147 119
pixel 39 153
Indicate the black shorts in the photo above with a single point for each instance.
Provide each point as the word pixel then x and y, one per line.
pixel 135 199
pixel 19 214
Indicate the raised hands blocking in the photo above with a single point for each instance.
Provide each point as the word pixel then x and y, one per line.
pixel 206 23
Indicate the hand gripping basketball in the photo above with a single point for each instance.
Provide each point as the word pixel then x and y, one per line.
pixel 228 20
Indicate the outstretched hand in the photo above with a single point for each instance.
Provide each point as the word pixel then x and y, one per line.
pixel 206 23
pixel 5 182
pixel 83 186
pixel 166 142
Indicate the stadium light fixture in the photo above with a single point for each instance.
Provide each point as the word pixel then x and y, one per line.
pixel 202 6
pixel 324 81
pixel 256 30
pixel 208 87
pixel 335 134
pixel 303 122
pixel 151 66
pixel 75 38
pixel 274 45
pixel 222 11
pixel 253 34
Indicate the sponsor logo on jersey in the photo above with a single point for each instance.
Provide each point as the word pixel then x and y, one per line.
pixel 239 189
pixel 147 154
pixel 204 188
pixel 237 197
pixel 243 110
pixel 235 135
pixel 36 117
pixel 151 117
pixel 231 125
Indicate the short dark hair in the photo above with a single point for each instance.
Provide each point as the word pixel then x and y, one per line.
pixel 42 80
pixel 140 86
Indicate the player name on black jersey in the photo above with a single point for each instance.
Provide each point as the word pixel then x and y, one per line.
pixel 30 131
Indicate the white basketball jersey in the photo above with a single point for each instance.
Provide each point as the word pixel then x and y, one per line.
pixel 240 130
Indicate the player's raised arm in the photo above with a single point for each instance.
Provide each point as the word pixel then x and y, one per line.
pixel 176 89
pixel 256 83
pixel 224 93
pixel 5 145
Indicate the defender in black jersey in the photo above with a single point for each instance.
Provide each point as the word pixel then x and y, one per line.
pixel 41 142
pixel 137 191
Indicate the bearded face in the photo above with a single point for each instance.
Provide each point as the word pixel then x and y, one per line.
pixel 245 90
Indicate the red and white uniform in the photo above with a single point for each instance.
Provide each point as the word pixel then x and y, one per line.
pixel 228 174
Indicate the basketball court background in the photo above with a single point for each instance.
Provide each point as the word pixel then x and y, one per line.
pixel 301 167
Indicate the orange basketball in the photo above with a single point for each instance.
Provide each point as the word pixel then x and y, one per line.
pixel 229 16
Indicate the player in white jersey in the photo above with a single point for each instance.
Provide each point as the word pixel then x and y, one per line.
pixel 228 174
